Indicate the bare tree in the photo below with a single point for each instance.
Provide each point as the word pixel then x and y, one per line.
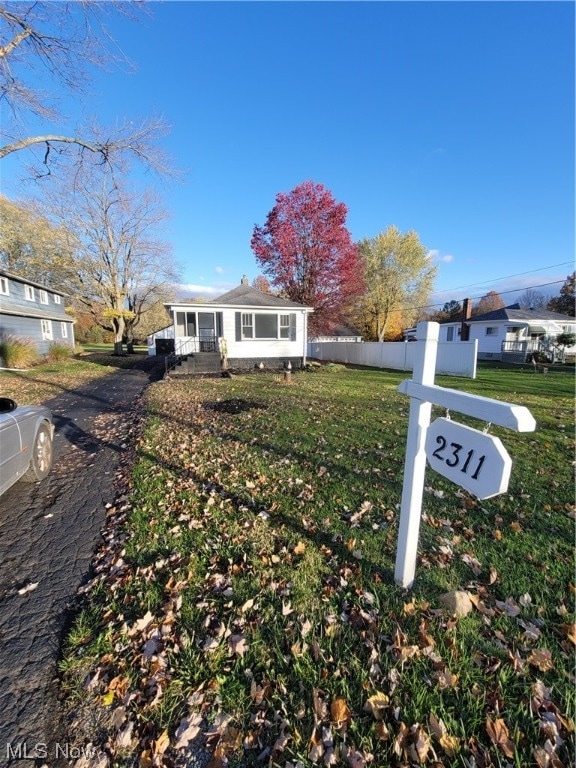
pixel 534 299
pixel 121 266
pixel 59 42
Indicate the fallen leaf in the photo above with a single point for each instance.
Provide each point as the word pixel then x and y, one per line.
pixel 340 712
pixel 237 644
pixel 542 659
pixel 187 731
pixel 300 548
pixel 28 588
pixel 161 744
pixel 421 744
pixel 376 704
pixel 124 738
pixel 498 732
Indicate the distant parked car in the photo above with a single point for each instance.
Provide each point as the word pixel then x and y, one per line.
pixel 26 435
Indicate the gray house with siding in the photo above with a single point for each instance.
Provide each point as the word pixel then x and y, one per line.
pixel 34 311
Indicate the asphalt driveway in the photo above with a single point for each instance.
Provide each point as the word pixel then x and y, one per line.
pixel 48 534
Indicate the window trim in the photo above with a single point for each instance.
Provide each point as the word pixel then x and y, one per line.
pixel 43 296
pixel 29 294
pixel 57 298
pixel 247 322
pixel 491 330
pixel 46 328
pixel 4 286
pixel 246 326
pixel 64 330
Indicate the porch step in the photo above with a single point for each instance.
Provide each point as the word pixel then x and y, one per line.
pixel 199 363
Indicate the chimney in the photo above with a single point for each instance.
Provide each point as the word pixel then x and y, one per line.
pixel 466 314
pixel 244 280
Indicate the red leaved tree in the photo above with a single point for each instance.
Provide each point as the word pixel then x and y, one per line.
pixel 306 250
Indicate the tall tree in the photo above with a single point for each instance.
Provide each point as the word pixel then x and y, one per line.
pixel 46 49
pixel 307 251
pixel 262 283
pixel 121 266
pixel 451 311
pixel 565 302
pixel 533 299
pixel 399 278
pixel 488 303
pixel 30 245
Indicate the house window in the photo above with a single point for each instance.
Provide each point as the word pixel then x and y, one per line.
pixel 491 331
pixel 43 297
pixel 46 329
pixel 450 333
pixel 284 326
pixel 4 286
pixel 185 324
pixel 247 326
pixel 266 326
pixel 64 330
pixel 29 293
pixel 57 299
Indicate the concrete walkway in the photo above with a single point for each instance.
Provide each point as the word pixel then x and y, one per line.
pixel 48 534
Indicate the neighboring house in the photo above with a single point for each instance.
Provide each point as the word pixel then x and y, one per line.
pixel 252 327
pixel 338 333
pixel 512 334
pixel 34 311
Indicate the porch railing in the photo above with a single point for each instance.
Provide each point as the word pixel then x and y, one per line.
pixel 528 347
pixel 188 346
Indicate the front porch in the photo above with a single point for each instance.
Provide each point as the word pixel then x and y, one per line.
pixel 522 350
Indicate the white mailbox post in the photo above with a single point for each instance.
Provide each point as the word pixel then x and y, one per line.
pixel 476 461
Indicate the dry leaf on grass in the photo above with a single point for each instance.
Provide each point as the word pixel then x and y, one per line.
pixel 498 732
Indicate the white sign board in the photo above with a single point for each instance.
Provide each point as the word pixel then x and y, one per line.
pixel 476 461
pixel 464 455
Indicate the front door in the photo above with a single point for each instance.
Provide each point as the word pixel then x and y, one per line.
pixel 207 331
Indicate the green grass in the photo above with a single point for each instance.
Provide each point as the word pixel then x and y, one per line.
pixel 55 376
pixel 262 542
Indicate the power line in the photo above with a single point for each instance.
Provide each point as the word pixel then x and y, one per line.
pixel 507 277
pixel 474 298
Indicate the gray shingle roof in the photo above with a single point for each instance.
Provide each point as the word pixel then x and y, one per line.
pixel 514 313
pixel 247 296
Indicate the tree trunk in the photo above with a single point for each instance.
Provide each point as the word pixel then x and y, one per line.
pixel 118 324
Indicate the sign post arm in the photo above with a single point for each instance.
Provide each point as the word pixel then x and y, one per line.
pixel 415 462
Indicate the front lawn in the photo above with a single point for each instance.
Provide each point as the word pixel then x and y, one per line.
pixel 245 598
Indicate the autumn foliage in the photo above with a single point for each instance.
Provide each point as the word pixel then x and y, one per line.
pixel 306 250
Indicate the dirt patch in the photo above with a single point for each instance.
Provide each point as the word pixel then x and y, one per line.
pixel 234 405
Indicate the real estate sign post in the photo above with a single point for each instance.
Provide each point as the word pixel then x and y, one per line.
pixel 471 458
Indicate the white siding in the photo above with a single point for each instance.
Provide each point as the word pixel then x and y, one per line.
pixel 264 348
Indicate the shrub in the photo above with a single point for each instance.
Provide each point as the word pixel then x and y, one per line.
pixel 18 351
pixel 57 352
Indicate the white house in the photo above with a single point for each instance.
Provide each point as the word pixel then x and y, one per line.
pixel 249 326
pixel 513 334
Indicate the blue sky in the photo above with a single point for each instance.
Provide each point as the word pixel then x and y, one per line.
pixel 455 119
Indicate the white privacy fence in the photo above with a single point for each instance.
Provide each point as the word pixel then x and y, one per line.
pixel 454 358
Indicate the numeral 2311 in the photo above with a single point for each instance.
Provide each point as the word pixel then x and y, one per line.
pixel 454 458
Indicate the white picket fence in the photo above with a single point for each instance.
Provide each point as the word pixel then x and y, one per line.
pixel 454 358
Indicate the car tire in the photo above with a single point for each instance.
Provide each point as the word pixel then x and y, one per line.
pixel 41 459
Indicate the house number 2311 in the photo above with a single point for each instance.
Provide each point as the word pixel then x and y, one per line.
pixel 453 458
pixel 472 459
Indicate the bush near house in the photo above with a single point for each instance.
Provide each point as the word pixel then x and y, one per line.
pixel 18 351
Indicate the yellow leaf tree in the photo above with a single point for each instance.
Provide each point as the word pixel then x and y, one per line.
pixel 399 278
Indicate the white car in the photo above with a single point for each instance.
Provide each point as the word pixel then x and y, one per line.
pixel 26 436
